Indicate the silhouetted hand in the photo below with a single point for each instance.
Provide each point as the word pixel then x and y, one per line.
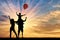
pixel 9 17
pixel 26 17
pixel 23 15
pixel 16 13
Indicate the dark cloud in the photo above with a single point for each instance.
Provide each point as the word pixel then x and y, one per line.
pixel 3 17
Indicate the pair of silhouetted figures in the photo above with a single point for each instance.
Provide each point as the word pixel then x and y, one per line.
pixel 19 22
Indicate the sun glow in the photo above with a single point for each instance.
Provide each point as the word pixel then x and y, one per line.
pixel 43 20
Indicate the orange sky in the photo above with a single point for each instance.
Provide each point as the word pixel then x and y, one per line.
pixel 41 21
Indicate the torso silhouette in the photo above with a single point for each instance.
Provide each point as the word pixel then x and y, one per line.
pixel 20 23
pixel 12 23
pixel 19 16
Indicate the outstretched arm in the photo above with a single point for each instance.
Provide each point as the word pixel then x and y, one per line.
pixel 16 14
pixel 9 17
pixel 23 15
pixel 25 19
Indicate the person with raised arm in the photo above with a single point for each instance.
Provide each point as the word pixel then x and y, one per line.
pixel 12 23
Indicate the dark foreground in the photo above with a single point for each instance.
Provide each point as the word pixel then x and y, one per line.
pixel 27 38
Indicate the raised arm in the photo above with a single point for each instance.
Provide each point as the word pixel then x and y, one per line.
pixel 25 19
pixel 23 15
pixel 16 14
pixel 9 17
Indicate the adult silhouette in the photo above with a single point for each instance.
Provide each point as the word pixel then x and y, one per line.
pixel 12 22
pixel 20 23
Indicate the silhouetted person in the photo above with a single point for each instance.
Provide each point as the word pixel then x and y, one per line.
pixel 20 23
pixel 19 15
pixel 12 22
pixel 20 26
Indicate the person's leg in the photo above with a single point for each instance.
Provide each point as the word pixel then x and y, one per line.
pixel 22 32
pixel 10 33
pixel 15 32
pixel 18 32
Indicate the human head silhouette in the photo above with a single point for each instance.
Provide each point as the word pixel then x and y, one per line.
pixel 12 20
pixel 19 13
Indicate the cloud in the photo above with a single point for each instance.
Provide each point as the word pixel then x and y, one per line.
pixel 48 23
pixel 1 13
pixel 3 18
pixel 56 6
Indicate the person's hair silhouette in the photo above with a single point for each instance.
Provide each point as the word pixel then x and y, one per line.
pixel 20 23
pixel 12 22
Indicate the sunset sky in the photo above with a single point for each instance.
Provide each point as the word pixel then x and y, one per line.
pixel 43 17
